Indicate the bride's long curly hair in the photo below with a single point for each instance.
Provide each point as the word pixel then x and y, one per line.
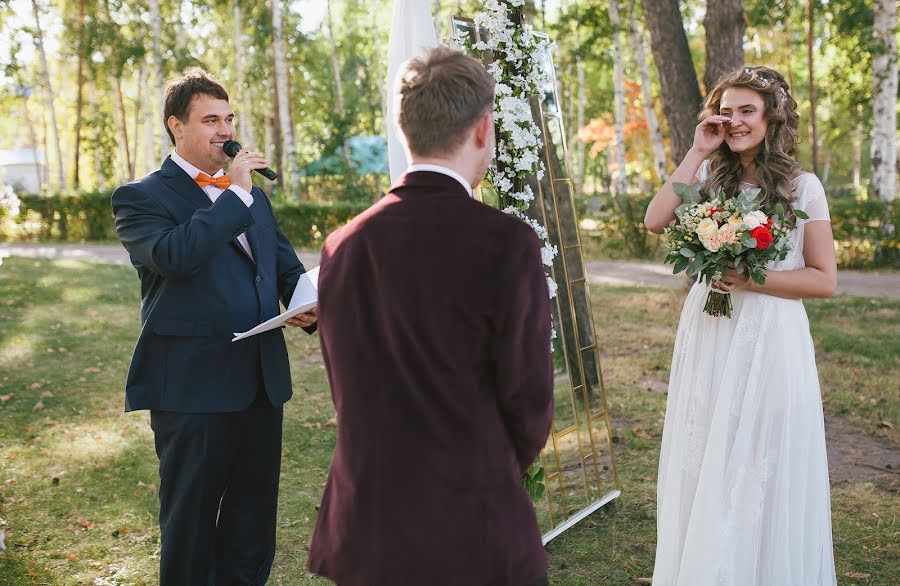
pixel 775 162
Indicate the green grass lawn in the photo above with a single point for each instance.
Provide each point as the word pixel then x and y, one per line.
pixel 78 476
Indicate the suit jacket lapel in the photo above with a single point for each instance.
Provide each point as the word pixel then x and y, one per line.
pixel 183 184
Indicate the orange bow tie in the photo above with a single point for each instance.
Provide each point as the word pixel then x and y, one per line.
pixel 222 182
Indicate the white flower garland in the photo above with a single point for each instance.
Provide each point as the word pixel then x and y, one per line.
pixel 518 69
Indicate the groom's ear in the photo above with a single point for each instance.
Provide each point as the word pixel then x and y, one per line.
pixel 483 127
pixel 176 127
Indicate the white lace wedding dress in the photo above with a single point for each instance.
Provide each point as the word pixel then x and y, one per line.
pixel 743 493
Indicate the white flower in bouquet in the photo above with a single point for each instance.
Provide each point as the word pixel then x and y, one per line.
pixel 706 229
pixel 755 219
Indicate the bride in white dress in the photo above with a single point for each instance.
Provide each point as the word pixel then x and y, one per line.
pixel 743 495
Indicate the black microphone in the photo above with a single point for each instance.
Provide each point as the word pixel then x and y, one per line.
pixel 233 147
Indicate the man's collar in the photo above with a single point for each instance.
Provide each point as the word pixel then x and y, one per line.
pixel 191 170
pixel 444 171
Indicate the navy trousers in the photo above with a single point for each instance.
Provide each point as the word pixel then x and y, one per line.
pixel 218 494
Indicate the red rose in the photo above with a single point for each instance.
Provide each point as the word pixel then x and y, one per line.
pixel 763 237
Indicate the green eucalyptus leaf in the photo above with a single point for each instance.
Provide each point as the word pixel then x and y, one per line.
pixel 687 252
pixel 801 214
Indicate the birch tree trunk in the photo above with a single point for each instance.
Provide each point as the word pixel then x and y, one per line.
pixel 884 104
pixel 620 185
pixel 245 120
pixel 578 146
pixel 79 99
pixel 125 165
pixel 98 156
pixel 813 130
pixel 656 139
pixel 158 104
pixel 151 122
pixel 338 88
pixel 724 24
pixel 32 137
pixel 138 113
pixel 677 76
pixel 48 89
pixel 284 115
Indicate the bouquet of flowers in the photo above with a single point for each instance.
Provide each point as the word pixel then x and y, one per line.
pixel 711 234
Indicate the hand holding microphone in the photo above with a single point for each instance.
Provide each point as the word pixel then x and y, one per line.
pixel 244 163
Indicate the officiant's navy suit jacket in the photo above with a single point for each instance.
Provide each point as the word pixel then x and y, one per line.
pixel 199 287
pixel 435 330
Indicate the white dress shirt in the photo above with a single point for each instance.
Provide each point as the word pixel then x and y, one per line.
pixel 443 171
pixel 214 192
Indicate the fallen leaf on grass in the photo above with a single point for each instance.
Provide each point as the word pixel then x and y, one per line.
pixel 70 556
pixel 641 432
pixel 5 398
pixel 332 421
pixel 644 580
pixel 886 424
pixel 39 406
pixel 857 575
pixel 85 524
pixel 91 369
pixel 120 532
pixel 35 386
pixel 46 395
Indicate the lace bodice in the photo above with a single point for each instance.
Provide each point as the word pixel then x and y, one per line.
pixel 809 197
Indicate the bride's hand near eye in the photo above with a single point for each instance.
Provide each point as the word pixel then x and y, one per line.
pixel 710 133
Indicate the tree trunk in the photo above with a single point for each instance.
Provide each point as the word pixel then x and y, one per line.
pixel 338 86
pixel 122 124
pixel 32 137
pixel 48 88
pixel 151 123
pixel 813 131
pixel 436 14
pixel 159 127
pixel 79 99
pixel 292 178
pixel 621 181
pixel 245 120
pixel 678 79
pixel 98 153
pixel 138 111
pixel 884 103
pixel 656 139
pixel 724 24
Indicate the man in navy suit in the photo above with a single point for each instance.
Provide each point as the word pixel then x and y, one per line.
pixel 211 261
pixel 437 346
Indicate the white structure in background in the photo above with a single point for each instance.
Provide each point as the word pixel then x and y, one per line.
pixel 412 32
pixel 23 169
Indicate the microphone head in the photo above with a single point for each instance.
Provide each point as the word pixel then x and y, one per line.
pixel 231 147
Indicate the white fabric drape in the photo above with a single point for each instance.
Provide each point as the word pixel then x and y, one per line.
pixel 412 32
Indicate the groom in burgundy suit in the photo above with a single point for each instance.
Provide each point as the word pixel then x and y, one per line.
pixel 435 330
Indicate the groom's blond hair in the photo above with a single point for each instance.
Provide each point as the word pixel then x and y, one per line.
pixel 442 94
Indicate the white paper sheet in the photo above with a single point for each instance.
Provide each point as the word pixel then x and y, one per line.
pixel 305 297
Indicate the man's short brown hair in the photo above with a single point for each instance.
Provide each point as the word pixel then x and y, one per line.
pixel 442 94
pixel 181 91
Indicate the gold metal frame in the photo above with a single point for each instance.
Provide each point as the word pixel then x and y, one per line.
pixel 579 459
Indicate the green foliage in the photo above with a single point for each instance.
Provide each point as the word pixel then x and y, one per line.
pixel 618 231
pixel 307 224
pixel 865 232
pixel 88 217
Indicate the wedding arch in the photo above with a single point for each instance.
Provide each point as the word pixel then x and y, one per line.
pixel 576 473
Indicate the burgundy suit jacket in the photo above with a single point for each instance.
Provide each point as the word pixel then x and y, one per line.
pixel 435 331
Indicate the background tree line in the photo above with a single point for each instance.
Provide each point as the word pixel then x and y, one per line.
pixel 83 81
